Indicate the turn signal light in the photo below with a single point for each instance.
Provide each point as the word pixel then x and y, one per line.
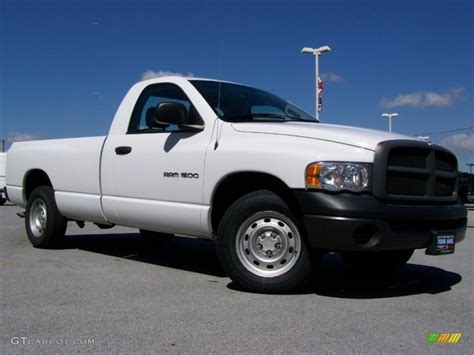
pixel 312 178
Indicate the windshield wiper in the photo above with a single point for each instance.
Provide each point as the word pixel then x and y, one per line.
pixel 268 115
pixel 282 117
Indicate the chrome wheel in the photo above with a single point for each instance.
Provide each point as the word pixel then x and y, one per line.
pixel 38 217
pixel 268 244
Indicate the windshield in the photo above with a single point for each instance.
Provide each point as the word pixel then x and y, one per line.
pixel 239 103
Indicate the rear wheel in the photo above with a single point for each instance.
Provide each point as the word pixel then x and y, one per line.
pixel 45 226
pixel 2 201
pixel 381 261
pixel 260 245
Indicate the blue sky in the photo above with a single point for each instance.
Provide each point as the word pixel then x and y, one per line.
pixel 65 65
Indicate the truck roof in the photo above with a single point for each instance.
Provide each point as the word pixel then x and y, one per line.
pixel 177 78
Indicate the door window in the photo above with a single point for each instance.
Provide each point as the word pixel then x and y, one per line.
pixel 150 98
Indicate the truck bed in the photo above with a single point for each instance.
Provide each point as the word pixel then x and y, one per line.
pixel 73 166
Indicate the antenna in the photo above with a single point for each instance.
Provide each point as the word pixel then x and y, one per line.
pixel 218 132
pixel 220 78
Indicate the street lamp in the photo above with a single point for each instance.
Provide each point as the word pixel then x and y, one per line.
pixel 390 116
pixel 424 138
pixel 316 52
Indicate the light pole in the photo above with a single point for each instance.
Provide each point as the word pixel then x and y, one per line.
pixel 316 52
pixel 424 138
pixel 390 116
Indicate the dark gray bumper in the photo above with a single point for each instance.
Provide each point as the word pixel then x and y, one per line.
pixel 361 222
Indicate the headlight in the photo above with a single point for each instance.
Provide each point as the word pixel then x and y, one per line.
pixel 337 176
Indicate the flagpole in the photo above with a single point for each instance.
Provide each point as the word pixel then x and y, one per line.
pixel 316 65
pixel 316 52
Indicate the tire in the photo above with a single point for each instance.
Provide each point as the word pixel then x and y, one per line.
pixel 45 226
pixel 156 238
pixel 260 245
pixel 376 262
pixel 2 201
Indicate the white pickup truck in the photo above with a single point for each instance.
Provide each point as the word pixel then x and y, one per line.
pixel 273 186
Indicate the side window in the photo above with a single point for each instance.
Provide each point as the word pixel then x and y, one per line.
pixel 150 98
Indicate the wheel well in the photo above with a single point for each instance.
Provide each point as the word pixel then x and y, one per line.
pixel 239 184
pixel 33 179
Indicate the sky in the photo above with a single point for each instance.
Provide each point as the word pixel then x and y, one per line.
pixel 65 65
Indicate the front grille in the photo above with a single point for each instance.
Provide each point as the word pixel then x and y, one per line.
pixel 411 158
pixel 398 184
pixel 407 170
pixel 445 162
pixel 444 187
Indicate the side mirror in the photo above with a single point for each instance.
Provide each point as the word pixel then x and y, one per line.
pixel 174 113
pixel 171 113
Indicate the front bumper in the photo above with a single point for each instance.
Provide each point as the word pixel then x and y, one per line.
pixel 347 221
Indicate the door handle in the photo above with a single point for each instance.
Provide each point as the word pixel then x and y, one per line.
pixel 123 150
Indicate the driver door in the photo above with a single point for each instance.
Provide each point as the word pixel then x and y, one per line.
pixel 153 176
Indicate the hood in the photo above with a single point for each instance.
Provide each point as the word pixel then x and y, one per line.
pixel 354 136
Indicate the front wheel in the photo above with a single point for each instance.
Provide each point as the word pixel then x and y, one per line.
pixel 260 245
pixel 44 223
pixel 375 262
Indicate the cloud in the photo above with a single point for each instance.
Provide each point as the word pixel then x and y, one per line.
pixel 425 99
pixel 459 141
pixel 20 136
pixel 332 78
pixel 150 74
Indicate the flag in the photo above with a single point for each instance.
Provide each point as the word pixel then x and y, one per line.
pixel 320 93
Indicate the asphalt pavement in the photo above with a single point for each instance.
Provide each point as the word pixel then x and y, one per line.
pixel 107 291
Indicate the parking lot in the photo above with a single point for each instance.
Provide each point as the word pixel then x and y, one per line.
pixel 107 291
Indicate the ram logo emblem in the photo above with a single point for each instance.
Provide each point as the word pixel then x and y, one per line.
pixel 190 175
pixel 169 174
